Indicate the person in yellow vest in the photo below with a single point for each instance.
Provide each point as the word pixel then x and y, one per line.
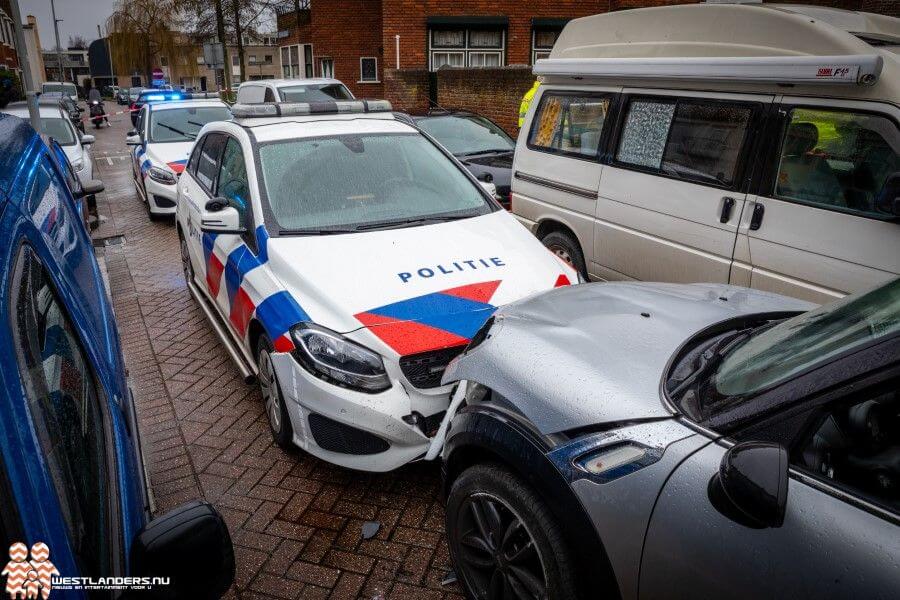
pixel 526 101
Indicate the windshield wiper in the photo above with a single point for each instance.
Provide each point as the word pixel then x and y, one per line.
pixel 405 222
pixel 488 151
pixel 317 231
pixel 709 359
pixel 191 136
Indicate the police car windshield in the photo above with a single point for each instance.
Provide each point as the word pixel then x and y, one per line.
pixel 358 182
pixel 467 134
pixel 314 92
pixel 183 124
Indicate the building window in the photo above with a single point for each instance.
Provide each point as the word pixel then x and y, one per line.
pixel 466 47
pixel 368 69
pixel 235 60
pixel 267 59
pixel 327 68
pixel 297 61
pixel 542 41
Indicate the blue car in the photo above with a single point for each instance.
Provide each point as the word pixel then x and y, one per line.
pixel 73 501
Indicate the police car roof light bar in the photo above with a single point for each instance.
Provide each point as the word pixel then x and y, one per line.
pixel 296 109
pixel 859 69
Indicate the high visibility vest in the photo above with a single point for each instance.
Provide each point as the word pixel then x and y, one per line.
pixel 526 102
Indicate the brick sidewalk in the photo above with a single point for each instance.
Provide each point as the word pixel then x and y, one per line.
pixel 295 521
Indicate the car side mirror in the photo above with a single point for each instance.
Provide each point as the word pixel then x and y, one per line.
pixel 888 199
pixel 752 483
pixel 87 140
pixel 489 187
pixel 91 187
pixel 133 140
pixel 219 216
pixel 190 547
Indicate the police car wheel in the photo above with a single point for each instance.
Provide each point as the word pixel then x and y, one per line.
pixel 276 410
pixel 186 265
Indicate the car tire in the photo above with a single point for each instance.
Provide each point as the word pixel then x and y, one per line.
pixel 567 249
pixel 531 553
pixel 274 401
pixel 186 266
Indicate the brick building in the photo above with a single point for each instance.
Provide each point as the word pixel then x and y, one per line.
pixel 8 57
pixel 395 48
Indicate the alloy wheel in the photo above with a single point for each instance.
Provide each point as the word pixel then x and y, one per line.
pixel 500 558
pixel 268 385
pixel 563 254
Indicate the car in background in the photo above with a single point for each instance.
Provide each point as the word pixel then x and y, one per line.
pixel 666 437
pixel 315 89
pixel 479 143
pixel 148 95
pixel 84 194
pixel 63 87
pixel 160 145
pixel 71 107
pixel 72 480
pixel 55 123
pixel 123 96
pixel 346 257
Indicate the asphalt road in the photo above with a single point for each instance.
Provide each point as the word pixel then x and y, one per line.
pixel 296 521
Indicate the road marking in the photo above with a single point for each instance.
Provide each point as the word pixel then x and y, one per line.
pixel 109 161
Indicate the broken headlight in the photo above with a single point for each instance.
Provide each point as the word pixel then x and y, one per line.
pixel 331 356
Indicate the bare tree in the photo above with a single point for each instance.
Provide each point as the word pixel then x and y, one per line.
pixel 143 30
pixel 77 41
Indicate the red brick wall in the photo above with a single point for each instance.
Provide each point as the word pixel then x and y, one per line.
pixel 343 30
pixel 494 93
pixel 407 89
pixel 8 54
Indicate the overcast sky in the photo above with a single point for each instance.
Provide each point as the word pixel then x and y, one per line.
pixel 79 17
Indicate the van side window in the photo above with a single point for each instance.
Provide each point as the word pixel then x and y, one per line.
pixel 568 124
pixel 65 407
pixel 688 139
pixel 837 160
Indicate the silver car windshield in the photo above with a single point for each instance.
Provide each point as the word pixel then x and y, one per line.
pixel 358 182
pixel 783 351
pixel 183 124
pixel 467 135
pixel 317 92
pixel 58 129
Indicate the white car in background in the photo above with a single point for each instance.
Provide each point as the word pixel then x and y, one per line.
pixel 315 89
pixel 347 258
pixel 55 123
pixel 162 140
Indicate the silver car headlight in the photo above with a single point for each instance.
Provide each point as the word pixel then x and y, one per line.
pixel 162 175
pixel 334 358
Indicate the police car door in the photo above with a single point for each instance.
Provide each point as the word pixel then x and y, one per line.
pixel 196 187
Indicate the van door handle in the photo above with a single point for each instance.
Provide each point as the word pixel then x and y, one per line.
pixel 727 205
pixel 756 219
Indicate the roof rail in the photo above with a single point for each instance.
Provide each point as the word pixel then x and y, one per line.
pixel 860 69
pixel 294 109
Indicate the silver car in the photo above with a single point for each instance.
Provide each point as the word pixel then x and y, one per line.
pixel 678 441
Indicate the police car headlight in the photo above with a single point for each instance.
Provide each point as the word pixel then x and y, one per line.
pixel 332 357
pixel 78 164
pixel 162 175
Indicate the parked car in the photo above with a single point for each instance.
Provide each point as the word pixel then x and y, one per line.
pixel 345 258
pixel 72 481
pixel 123 96
pixel 696 164
pixel 63 87
pixel 313 89
pixel 57 125
pixel 479 143
pixel 68 104
pixel 85 193
pixel 161 143
pixel 687 441
pixel 150 96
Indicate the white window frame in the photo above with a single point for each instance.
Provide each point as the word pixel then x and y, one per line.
pixel 435 53
pixel 361 80
pixel 466 49
pixel 297 71
pixel 485 54
pixel 536 50
pixel 322 73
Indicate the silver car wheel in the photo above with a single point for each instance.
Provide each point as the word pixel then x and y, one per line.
pixel 563 254
pixel 268 385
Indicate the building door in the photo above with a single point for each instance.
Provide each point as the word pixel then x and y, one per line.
pixel 203 84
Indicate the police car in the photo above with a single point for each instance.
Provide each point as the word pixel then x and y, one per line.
pixel 345 258
pixel 161 141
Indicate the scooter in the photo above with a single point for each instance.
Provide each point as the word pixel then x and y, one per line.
pixel 98 114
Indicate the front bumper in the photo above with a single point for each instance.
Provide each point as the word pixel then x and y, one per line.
pixel 380 415
pixel 161 198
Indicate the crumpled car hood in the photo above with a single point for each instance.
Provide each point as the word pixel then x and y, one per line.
pixel 595 353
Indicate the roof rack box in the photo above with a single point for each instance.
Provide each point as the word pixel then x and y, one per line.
pixel 295 109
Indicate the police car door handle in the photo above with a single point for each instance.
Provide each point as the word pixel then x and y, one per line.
pixel 756 219
pixel 727 205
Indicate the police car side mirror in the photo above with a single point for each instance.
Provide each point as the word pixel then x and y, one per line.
pixel 489 187
pixel 133 139
pixel 189 549
pixel 219 217
pixel 888 199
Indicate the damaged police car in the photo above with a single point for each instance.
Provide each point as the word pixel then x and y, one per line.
pixel 681 441
pixel 345 258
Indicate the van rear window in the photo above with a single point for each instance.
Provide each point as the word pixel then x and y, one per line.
pixel 569 124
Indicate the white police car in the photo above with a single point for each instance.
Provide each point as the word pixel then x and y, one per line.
pixel 162 140
pixel 346 258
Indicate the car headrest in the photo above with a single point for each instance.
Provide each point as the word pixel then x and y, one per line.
pixel 801 138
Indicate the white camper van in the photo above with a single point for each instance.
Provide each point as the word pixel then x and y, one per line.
pixel 750 144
